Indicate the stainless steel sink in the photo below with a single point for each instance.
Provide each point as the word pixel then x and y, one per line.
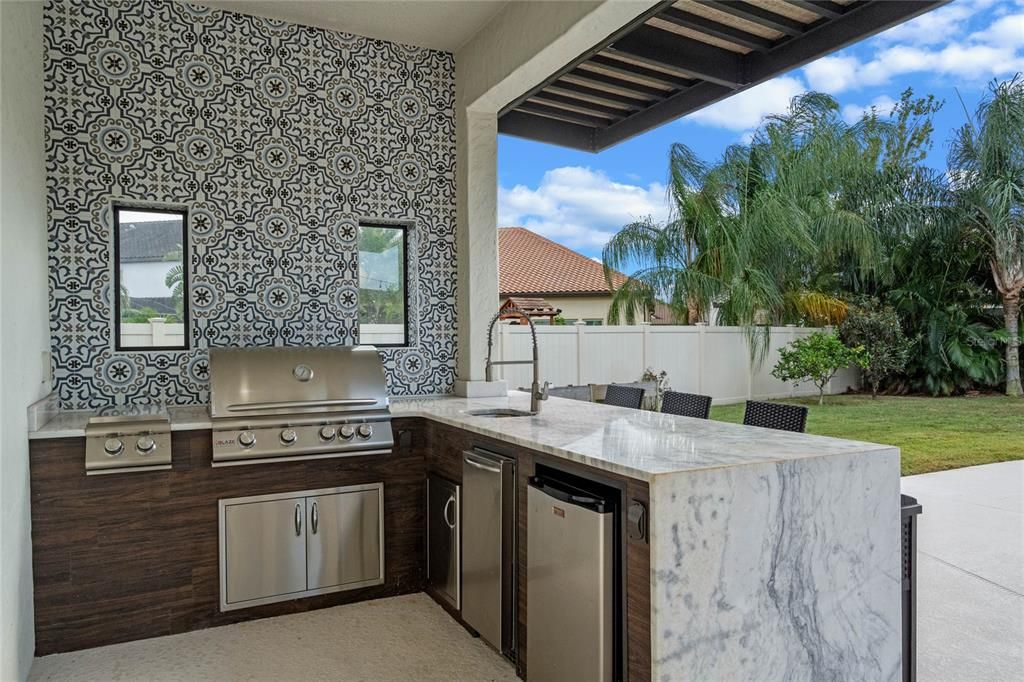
pixel 500 412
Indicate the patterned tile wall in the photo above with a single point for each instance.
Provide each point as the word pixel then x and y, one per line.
pixel 280 138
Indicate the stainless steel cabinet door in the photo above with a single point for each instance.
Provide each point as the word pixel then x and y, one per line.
pixel 265 549
pixel 443 538
pixel 344 539
pixel 482 546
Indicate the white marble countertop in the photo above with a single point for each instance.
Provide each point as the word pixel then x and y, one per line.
pixel 632 443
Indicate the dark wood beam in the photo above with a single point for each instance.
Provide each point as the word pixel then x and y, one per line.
pixel 621 84
pixel 862 21
pixel 571 66
pixel 758 15
pixel 583 106
pixel 823 8
pixel 593 94
pixel 673 107
pixel 628 70
pixel 540 129
pixel 562 114
pixel 859 23
pixel 692 57
pixel 712 28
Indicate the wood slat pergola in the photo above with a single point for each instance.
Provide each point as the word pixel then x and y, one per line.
pixel 684 55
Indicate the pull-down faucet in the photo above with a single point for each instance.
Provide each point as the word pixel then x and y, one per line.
pixel 537 392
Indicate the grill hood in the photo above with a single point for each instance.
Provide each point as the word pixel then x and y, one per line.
pixel 260 382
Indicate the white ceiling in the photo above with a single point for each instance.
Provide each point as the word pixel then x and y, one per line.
pixel 437 24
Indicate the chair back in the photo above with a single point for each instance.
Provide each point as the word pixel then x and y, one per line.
pixel 775 416
pixel 624 396
pixel 686 404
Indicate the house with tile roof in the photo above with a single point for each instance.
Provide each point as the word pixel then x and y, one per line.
pixel 534 267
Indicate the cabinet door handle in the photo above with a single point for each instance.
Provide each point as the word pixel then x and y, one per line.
pixel 450 524
pixel 315 519
pixel 298 519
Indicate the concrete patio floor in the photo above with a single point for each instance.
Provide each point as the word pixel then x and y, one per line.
pixel 970 610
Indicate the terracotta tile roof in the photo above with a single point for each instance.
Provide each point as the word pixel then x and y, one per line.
pixel 531 264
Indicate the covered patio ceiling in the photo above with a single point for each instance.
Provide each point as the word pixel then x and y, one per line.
pixel 682 56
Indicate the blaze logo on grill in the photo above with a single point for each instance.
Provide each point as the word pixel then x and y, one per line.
pixel 224 442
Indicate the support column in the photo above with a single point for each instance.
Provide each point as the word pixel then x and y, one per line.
pixel 477 246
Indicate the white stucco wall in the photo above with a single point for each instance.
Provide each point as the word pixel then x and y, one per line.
pixel 24 334
pixel 521 46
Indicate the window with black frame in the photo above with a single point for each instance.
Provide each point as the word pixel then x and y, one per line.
pixel 150 278
pixel 383 285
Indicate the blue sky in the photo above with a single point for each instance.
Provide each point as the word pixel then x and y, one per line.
pixel 581 199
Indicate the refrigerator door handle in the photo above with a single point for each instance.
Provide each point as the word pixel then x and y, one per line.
pixel 472 461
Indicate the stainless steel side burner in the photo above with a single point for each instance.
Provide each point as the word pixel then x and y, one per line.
pixel 272 404
pixel 122 440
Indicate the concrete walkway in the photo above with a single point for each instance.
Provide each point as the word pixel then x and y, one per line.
pixel 970 610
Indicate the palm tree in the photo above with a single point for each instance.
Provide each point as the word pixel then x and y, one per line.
pixel 986 169
pixel 764 232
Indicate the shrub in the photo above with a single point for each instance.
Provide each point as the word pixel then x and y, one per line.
pixel 876 328
pixel 816 358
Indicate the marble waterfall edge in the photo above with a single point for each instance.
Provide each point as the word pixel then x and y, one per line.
pixel 778 571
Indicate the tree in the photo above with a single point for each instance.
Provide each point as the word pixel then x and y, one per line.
pixel 816 358
pixel 986 169
pixel 876 329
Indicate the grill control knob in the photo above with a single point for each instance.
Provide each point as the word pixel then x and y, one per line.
pixel 365 430
pixel 113 447
pixel 288 436
pixel 328 433
pixel 145 445
pixel 347 432
pixel 247 439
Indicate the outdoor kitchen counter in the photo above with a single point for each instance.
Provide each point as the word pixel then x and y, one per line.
pixel 634 443
pixel 773 555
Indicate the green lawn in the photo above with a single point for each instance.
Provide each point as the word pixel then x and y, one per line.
pixel 932 433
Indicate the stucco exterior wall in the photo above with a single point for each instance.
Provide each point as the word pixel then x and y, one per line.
pixel 24 363
pixel 521 46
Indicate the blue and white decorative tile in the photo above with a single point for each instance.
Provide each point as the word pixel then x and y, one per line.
pixel 280 138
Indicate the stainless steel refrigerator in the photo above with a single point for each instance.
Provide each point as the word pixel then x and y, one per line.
pixel 570 583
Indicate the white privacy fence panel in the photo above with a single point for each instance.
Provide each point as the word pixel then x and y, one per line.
pixel 155 333
pixel 713 361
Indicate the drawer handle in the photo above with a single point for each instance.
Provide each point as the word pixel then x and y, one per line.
pixel 315 520
pixel 450 524
pixel 298 519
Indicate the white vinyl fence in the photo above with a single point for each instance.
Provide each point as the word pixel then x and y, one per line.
pixel 713 361
pixel 155 333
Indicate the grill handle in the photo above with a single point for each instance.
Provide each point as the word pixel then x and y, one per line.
pixel 293 404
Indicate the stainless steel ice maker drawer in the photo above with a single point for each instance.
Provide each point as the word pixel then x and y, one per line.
pixel 488 547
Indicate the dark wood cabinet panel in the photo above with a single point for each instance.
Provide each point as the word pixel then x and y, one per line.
pixel 129 556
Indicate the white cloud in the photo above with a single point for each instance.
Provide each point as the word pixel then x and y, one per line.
pixel 1006 32
pixel 832 74
pixel 579 207
pixel 933 27
pixel 938 43
pixel 883 106
pixel 745 110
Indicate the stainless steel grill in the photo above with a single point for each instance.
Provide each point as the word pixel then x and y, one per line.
pixel 269 404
